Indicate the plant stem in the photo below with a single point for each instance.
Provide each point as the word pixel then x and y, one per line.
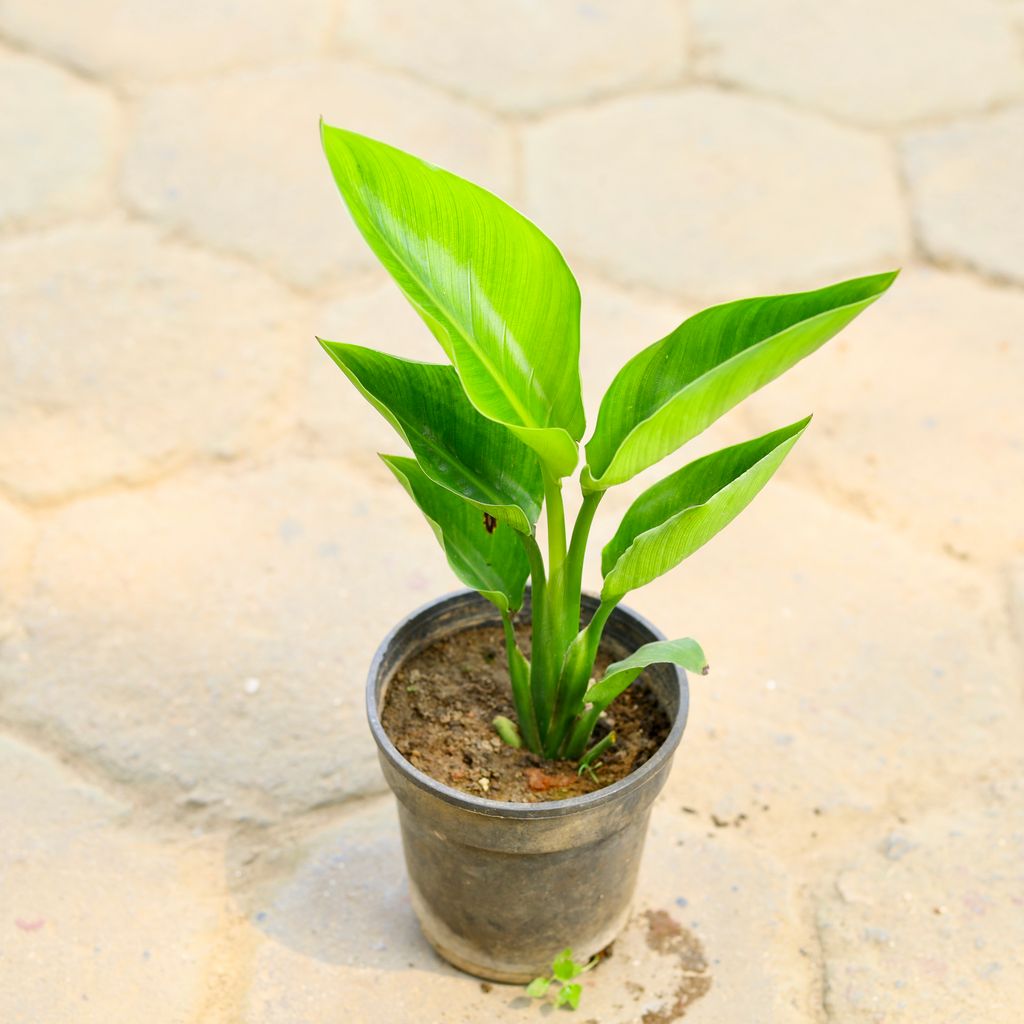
pixel 581 533
pixel 581 732
pixel 575 676
pixel 542 668
pixel 519 674
pixel 577 552
pixel 556 522
pixel 551 637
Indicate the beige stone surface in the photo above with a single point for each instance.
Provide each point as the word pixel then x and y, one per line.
pixel 159 39
pixel 918 414
pixel 353 872
pixel 199 550
pixel 521 55
pixel 851 673
pixel 236 162
pixel 704 192
pixel 59 136
pixel 925 923
pixel 100 926
pixel 122 355
pixel 210 636
pixel 966 194
pixel 17 533
pixel 865 61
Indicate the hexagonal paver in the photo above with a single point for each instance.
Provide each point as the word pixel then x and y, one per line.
pixel 905 402
pixel 851 670
pixel 866 60
pixel 122 354
pixel 58 136
pixel 964 182
pixel 520 55
pixel 209 637
pixel 236 161
pixel 16 535
pixel 706 193
pixel 926 922
pixel 100 925
pixel 715 930
pixel 157 39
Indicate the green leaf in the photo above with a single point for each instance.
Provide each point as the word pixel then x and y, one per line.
pixel 617 677
pixel 492 288
pixel 538 988
pixel 672 519
pixel 672 390
pixel 492 562
pixel 569 995
pixel 478 459
pixel 564 967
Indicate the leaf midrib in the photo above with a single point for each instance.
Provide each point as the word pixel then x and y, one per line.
pixel 443 308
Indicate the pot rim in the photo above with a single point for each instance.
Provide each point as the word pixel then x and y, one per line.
pixel 508 808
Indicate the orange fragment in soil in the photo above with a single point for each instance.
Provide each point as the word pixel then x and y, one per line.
pixel 538 780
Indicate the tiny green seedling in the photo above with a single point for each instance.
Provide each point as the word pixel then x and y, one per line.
pixel 564 970
pixel 495 431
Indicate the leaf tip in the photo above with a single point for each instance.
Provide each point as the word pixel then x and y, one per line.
pixel 705 670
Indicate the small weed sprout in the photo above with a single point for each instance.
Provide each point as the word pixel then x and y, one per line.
pixel 561 981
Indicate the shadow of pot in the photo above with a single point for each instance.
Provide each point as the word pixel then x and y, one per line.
pixel 499 888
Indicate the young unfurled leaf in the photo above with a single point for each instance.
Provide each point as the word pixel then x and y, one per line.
pixel 478 459
pixel 563 967
pixel 619 675
pixel 493 289
pixel 538 988
pixel 672 519
pixel 672 390
pixel 492 563
pixel 569 995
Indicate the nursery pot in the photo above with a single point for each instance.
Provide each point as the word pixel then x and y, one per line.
pixel 499 888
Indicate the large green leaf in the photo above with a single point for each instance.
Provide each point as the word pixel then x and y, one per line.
pixel 672 519
pixel 494 290
pixel 672 390
pixel 491 561
pixel 478 459
pixel 619 675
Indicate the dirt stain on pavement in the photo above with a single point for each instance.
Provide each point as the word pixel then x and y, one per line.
pixel 665 935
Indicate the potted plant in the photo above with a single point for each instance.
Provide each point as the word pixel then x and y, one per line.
pixel 502 885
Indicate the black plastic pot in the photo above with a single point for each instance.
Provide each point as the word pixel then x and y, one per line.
pixel 500 888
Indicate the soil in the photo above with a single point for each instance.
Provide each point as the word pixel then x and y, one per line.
pixel 439 706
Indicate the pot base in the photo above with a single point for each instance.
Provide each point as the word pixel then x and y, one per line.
pixel 466 957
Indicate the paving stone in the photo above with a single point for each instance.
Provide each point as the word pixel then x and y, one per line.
pixel 58 137
pixel 147 40
pixel 209 637
pixel 865 60
pixel 1016 588
pixel 506 55
pixel 16 535
pixel 122 354
pixel 100 926
pixel 927 924
pixel 706 193
pixel 905 402
pixel 236 161
pixel 852 673
pixel 966 193
pixel 340 929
